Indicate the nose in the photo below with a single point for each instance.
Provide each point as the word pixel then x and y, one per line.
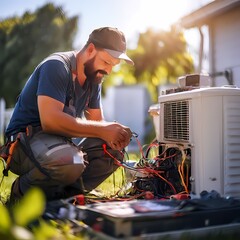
pixel 108 69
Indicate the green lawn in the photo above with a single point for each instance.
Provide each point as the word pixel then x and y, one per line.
pixel 5 187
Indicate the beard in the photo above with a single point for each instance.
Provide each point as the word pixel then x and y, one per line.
pixel 92 74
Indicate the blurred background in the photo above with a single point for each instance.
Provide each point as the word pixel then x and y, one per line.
pixel 160 47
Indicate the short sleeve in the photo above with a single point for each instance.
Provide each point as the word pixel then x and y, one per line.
pixel 54 80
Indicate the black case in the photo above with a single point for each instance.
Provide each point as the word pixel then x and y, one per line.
pixel 134 218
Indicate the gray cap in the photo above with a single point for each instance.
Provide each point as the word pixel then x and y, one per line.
pixel 112 41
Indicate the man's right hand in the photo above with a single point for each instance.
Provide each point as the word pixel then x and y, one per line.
pixel 117 135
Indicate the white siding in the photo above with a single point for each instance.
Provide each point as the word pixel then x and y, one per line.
pixel 225 45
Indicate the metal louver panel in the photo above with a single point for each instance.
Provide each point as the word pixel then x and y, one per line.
pixel 232 147
pixel 176 121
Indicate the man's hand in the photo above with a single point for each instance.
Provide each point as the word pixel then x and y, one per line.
pixel 117 135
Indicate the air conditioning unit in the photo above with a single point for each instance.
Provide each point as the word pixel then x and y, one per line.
pixel 205 123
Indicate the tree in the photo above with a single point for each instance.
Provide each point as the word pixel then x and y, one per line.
pixel 26 40
pixel 160 57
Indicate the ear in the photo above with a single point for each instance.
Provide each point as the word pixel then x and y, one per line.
pixel 91 50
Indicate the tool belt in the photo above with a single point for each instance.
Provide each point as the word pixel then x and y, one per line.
pixel 22 138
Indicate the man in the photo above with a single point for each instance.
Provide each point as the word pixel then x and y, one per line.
pixel 49 113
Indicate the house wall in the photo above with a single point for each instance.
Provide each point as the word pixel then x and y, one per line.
pixel 129 106
pixel 224 35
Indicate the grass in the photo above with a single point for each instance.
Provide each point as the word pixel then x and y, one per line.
pixel 6 183
pixel 117 181
pixel 112 184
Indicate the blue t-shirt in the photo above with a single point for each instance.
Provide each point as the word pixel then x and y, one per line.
pixel 53 78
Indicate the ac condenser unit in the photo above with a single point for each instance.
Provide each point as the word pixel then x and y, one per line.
pixel 206 121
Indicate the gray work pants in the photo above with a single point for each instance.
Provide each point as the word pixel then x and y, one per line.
pixel 65 169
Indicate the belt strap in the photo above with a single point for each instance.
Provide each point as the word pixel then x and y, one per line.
pixel 23 138
pixel 13 137
pixel 30 130
pixel 25 145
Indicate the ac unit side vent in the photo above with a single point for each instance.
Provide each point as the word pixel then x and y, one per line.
pixel 176 121
pixel 232 147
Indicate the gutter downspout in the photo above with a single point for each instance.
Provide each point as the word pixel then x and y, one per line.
pixel 200 58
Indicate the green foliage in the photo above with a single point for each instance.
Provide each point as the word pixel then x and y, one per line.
pixel 32 206
pixel 14 223
pixel 5 220
pixel 26 40
pixel 23 220
pixel 160 58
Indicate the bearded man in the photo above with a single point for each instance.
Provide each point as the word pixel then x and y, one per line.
pixel 61 101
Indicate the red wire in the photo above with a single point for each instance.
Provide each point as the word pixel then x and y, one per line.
pixel 107 152
pixel 140 147
pixel 144 170
pixel 165 157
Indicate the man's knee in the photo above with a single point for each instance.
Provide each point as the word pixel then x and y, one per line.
pixel 64 164
pixel 62 160
pixel 68 174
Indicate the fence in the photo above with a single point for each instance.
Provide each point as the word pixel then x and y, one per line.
pixel 5 115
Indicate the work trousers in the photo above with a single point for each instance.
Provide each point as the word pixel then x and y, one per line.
pixel 64 169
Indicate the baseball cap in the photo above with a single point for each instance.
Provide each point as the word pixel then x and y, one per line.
pixel 112 41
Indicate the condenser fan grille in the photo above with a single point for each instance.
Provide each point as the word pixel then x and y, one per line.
pixel 176 121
